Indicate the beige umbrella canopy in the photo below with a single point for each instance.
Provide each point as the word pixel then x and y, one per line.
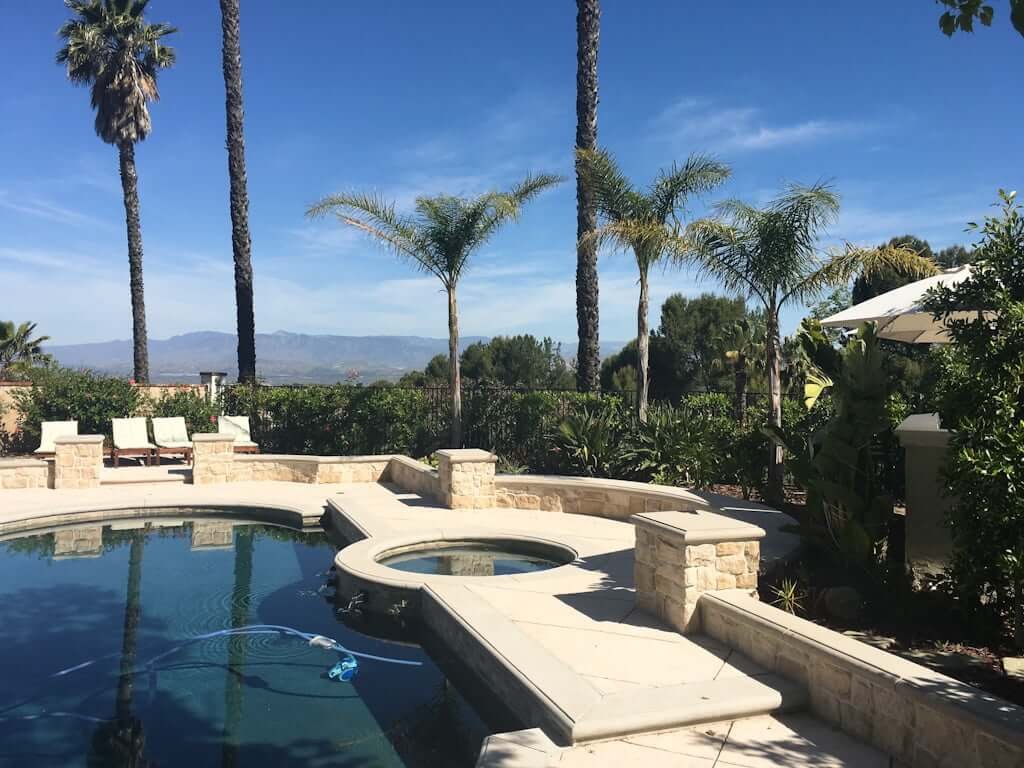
pixel 899 313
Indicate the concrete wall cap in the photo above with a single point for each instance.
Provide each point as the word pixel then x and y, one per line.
pixel 460 455
pixel 257 457
pixel 78 440
pixel 699 527
pixel 512 482
pixel 212 437
pixel 922 429
pixel 21 463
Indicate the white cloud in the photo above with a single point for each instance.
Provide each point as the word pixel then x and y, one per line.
pixel 47 210
pixel 693 122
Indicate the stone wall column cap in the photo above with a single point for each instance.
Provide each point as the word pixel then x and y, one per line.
pixel 212 437
pixel 698 527
pixel 461 455
pixel 78 440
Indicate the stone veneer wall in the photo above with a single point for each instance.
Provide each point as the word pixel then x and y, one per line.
pixel 615 499
pixel 215 461
pixel 24 473
pixel 681 555
pixel 411 475
pixel 466 478
pixel 918 716
pixel 78 461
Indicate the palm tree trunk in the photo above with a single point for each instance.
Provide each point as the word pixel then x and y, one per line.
pixel 642 339
pixel 454 375
pixel 241 245
pixel 130 190
pixel 740 385
pixel 588 355
pixel 773 365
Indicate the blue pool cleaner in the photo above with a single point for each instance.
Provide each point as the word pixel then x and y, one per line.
pixel 345 669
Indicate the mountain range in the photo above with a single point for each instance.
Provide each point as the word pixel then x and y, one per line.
pixel 281 357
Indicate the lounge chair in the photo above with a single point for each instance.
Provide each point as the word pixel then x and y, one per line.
pixel 51 430
pixel 132 439
pixel 239 427
pixel 171 437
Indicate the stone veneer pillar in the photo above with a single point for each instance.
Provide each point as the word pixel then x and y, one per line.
pixel 78 461
pixel 680 555
pixel 212 456
pixel 466 478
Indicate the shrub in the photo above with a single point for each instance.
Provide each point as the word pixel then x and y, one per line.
pixel 60 394
pixel 981 399
pixel 589 442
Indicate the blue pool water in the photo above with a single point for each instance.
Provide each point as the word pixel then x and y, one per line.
pixel 122 595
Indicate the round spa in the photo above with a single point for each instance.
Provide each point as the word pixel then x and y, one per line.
pixel 388 575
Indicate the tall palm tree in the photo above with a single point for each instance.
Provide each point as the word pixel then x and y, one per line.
pixel 741 349
pixel 646 222
pixel 439 238
pixel 19 348
pixel 588 355
pixel 110 47
pixel 241 245
pixel 773 255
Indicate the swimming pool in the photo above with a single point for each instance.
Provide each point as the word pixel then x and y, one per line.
pixel 146 642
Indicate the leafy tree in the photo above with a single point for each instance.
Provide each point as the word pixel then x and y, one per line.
pixel 524 361
pixel 645 222
pixel 109 47
pixel 772 255
pixel 961 14
pixel 981 400
pixel 688 329
pixel 868 286
pixel 439 238
pixel 241 243
pixel 588 356
pixel 953 256
pixel 20 349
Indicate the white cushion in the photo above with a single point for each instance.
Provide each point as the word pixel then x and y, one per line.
pixel 237 426
pixel 131 433
pixel 170 431
pixel 51 430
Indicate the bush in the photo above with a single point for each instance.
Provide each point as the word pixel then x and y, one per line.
pixel 981 399
pixel 60 394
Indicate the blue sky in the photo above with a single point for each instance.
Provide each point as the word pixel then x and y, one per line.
pixel 916 130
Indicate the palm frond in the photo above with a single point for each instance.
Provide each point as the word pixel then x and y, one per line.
pixel 698 175
pixel 613 195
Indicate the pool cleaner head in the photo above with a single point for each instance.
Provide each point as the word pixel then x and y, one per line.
pixel 345 669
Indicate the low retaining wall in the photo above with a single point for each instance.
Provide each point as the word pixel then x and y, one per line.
pixel 919 717
pixel 615 499
pixel 414 476
pixel 24 473
pixel 215 461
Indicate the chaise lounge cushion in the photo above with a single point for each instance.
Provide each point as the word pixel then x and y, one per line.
pixel 131 434
pixel 51 430
pixel 239 427
pixel 171 432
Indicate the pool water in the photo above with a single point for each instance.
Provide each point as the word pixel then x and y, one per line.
pixel 473 560
pixel 126 597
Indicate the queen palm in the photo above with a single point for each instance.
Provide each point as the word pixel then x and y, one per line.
pixel 772 254
pixel 241 244
pixel 110 47
pixel 741 349
pixel 645 222
pixel 439 238
pixel 20 348
pixel 588 356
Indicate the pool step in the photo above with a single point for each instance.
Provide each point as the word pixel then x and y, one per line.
pixel 678 706
pixel 145 476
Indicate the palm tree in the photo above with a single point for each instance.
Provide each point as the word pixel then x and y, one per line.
pixel 645 222
pixel 241 245
pixel 588 356
pixel 109 47
pixel 438 238
pixel 19 349
pixel 772 255
pixel 741 349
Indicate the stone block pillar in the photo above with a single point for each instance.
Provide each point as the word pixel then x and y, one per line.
pixel 680 555
pixel 78 461
pixel 466 478
pixel 212 456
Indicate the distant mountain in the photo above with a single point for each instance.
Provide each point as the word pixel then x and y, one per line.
pixel 281 357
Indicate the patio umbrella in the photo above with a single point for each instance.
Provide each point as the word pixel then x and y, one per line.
pixel 899 313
